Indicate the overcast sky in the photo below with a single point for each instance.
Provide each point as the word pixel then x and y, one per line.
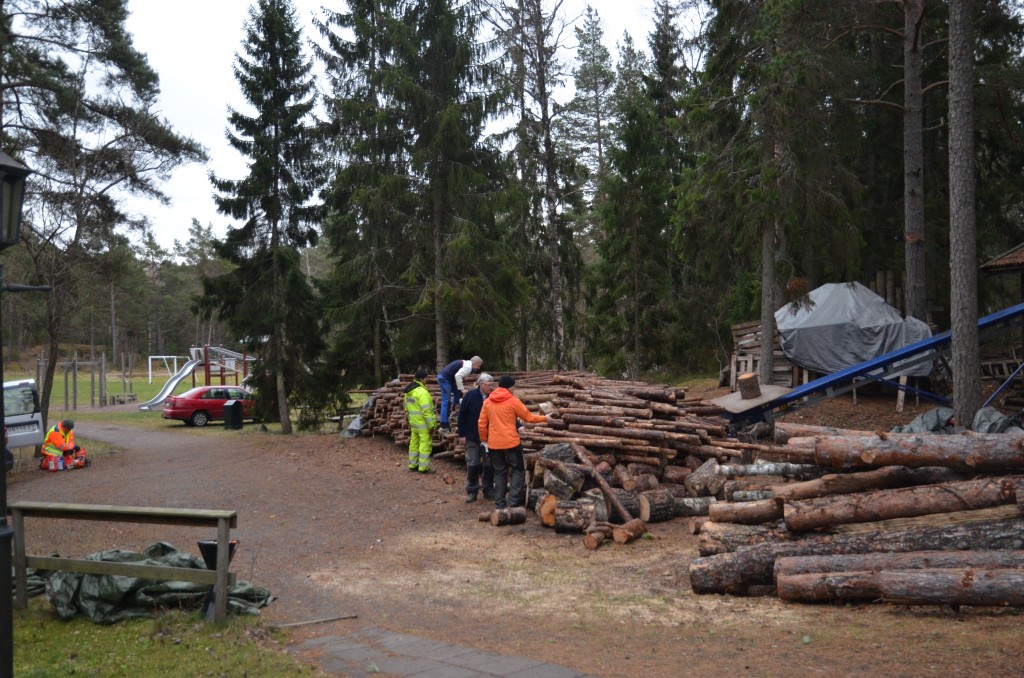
pixel 192 45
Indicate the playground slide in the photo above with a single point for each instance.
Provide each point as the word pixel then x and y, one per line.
pixel 168 388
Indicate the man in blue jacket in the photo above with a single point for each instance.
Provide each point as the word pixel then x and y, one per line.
pixel 477 460
pixel 450 380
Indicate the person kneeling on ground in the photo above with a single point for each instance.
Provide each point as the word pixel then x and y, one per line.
pixel 478 460
pixel 60 444
pixel 499 430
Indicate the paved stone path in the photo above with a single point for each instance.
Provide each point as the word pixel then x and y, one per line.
pixel 372 651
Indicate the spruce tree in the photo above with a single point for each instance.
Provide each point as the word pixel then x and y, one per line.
pixel 266 297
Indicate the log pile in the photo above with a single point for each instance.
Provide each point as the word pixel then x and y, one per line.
pixel 770 516
pixel 908 518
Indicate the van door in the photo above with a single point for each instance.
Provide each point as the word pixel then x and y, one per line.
pixel 22 414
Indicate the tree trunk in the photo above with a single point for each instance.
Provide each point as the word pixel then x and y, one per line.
pixel 716 538
pixel 693 506
pixel 913 161
pixel 657 506
pixel 735 572
pixel 746 512
pixel 965 452
pixel 879 505
pixel 878 479
pixel 909 587
pixel 913 560
pixel 963 263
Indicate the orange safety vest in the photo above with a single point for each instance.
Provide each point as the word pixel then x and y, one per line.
pixel 58 441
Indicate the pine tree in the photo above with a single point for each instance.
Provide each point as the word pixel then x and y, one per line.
pixel 77 105
pixel 266 297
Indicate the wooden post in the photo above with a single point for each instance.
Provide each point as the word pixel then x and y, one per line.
pixel 220 606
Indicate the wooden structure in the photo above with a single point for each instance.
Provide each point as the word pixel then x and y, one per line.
pixel 220 578
pixel 746 357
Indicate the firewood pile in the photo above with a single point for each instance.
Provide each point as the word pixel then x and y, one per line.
pixel 908 518
pixel 815 514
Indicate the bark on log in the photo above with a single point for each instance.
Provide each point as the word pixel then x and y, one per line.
pixel 640 483
pixel 546 510
pixel 675 474
pixel 914 560
pixel 593 540
pixel 865 507
pixel 573 516
pixel 693 506
pixel 561 480
pixel 965 452
pixel 877 479
pixel 769 468
pixel 510 516
pixel 657 506
pixel 746 512
pixel 748 385
pixel 609 493
pixel 716 538
pixel 628 532
pixel 627 501
pixel 784 431
pixel 735 572
pixel 594 420
pixel 750 495
pixel 909 587
pixel 706 481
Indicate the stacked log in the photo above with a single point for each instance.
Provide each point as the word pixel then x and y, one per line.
pixel 894 494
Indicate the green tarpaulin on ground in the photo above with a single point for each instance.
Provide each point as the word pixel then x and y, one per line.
pixel 108 599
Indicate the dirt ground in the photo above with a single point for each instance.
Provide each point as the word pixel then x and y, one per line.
pixel 340 527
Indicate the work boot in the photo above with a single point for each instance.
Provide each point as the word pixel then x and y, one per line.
pixel 426 471
pixel 470 498
pixel 489 494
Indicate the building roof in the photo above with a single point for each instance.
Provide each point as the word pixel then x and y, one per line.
pixel 1011 260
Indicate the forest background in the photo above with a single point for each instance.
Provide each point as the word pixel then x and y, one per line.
pixel 416 194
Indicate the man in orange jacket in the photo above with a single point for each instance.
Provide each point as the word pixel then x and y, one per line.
pixel 498 428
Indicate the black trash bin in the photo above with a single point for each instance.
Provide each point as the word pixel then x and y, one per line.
pixel 233 414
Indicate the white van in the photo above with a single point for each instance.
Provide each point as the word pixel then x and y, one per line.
pixel 22 415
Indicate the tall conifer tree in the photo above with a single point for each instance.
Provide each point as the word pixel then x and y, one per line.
pixel 266 297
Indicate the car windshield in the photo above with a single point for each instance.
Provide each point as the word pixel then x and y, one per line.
pixel 193 393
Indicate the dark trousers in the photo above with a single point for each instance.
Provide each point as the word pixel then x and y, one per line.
pixel 506 461
pixel 478 468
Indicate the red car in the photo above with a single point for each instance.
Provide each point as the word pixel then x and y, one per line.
pixel 204 404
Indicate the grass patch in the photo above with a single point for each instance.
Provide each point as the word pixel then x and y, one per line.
pixel 174 644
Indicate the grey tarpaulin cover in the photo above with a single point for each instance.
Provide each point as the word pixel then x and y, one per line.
pixel 108 599
pixel 842 324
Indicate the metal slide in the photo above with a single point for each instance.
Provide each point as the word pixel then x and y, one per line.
pixel 169 387
pixel 876 369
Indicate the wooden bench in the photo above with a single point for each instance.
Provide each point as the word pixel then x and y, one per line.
pixel 122 398
pixel 220 577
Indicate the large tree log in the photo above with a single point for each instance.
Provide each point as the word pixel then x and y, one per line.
pixel 746 512
pixel 913 560
pixel 657 506
pixel 716 538
pixel 785 430
pixel 770 468
pixel 877 479
pixel 628 501
pixel 546 510
pixel 640 483
pixel 964 452
pixel 735 572
pixel 865 507
pixel 909 587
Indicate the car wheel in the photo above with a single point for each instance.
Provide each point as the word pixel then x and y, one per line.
pixel 200 418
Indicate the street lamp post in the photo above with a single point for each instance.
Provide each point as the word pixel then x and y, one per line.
pixel 12 192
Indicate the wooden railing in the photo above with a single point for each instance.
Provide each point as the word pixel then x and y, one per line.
pixel 220 577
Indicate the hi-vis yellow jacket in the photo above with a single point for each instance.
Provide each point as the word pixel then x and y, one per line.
pixel 58 441
pixel 419 407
